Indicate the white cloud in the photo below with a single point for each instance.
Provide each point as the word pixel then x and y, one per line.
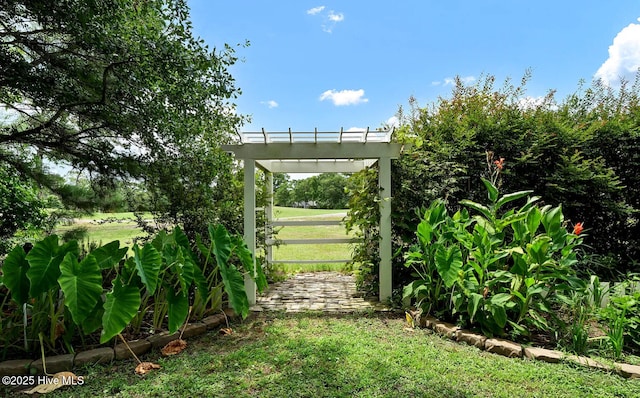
pixel 450 81
pixel 355 129
pixel 393 121
pixel 344 97
pixel 315 10
pixel 330 18
pixel 271 104
pixel 624 57
pixel 333 17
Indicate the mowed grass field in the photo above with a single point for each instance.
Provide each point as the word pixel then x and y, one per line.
pixel 103 228
pixel 339 251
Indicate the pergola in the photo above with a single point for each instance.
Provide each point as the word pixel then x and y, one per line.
pixel 317 152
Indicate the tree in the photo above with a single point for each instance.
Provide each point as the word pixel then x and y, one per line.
pixel 116 89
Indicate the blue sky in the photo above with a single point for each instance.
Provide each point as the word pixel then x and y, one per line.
pixel 350 64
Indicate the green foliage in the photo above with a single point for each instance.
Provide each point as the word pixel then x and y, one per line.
pixel 501 270
pixel 581 152
pixel 20 206
pixel 51 289
pixel 125 93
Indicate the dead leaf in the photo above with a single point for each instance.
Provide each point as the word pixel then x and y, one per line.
pixel 145 367
pixel 54 382
pixel 174 347
pixel 226 331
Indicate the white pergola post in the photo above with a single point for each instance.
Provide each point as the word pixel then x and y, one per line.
pixel 268 210
pixel 385 274
pixel 250 221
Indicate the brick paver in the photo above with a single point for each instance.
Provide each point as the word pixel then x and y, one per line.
pixel 316 291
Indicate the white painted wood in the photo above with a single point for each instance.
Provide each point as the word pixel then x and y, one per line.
pixel 312 261
pixel 268 210
pixel 344 150
pixel 250 222
pixel 303 223
pixel 325 241
pixel 385 274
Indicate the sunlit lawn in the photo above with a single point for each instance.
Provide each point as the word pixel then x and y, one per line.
pixel 123 228
pixel 362 355
pixel 340 251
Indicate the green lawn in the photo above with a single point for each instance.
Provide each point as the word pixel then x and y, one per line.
pixel 311 251
pixel 123 228
pixel 319 355
pixel 101 230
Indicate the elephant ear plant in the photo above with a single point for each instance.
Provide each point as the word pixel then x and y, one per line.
pixel 499 270
pixel 50 289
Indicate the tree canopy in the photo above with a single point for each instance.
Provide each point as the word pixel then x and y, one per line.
pixel 113 88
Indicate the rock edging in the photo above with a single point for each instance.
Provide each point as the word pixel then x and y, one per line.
pixel 66 362
pixel 514 350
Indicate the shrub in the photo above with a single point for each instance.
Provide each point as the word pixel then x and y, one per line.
pixel 501 270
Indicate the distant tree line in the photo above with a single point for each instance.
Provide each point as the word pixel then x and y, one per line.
pixel 324 191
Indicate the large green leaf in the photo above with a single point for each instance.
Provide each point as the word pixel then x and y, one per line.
pixel 449 263
pixel 109 255
pixel 178 309
pixel 246 258
pixel 183 269
pixel 499 315
pixel 120 307
pixel 234 287
pixel 474 303
pixel 15 269
pixel 221 243
pixel 44 260
pixel 81 284
pixel 148 263
pixel 478 207
pixel 510 197
pixel 492 191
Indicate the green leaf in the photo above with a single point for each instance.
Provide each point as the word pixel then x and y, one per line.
pixel 474 303
pixel 478 207
pixel 552 220
pixel 510 197
pixel 148 263
pixel 93 321
pixel 81 284
pixel 121 305
pixel 539 248
pixel 449 263
pixel 181 238
pixel 425 232
pixel 200 281
pixel 234 287
pixel 221 243
pixel 534 216
pixel 183 269
pixel 492 191
pixel 44 260
pixel 500 299
pixel 15 269
pixel 109 255
pixel 246 259
pixel 499 315
pixel 178 309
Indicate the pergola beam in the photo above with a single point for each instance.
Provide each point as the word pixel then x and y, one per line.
pixel 318 166
pixel 324 150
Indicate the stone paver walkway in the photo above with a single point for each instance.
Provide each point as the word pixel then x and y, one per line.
pixel 315 291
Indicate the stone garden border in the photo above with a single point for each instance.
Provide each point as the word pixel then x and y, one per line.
pixel 66 362
pixel 514 350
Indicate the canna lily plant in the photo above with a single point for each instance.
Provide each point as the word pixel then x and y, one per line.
pixel 501 270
